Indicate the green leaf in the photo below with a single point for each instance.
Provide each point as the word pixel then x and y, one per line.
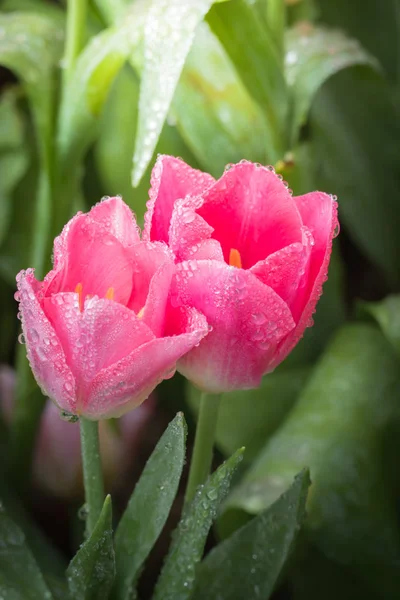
pixel 91 572
pixel 20 577
pixel 254 55
pixel 387 314
pixel 149 506
pixel 248 418
pixel 313 54
pixel 168 35
pixel 178 574
pixel 115 144
pixel 249 563
pixel 13 155
pixel 354 143
pixel 47 556
pixel 31 46
pixel 213 110
pixel 337 428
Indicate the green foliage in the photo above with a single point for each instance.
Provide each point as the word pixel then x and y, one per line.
pixel 337 428
pixel 91 572
pixel 178 574
pixel 149 506
pixel 20 577
pixel 249 563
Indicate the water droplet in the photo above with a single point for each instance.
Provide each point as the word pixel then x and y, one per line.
pixel 21 338
pixel 70 418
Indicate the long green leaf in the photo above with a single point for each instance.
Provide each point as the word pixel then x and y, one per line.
pixel 149 506
pixel 91 572
pixel 254 55
pixel 313 54
pixel 168 35
pixel 178 574
pixel 31 46
pixel 249 563
pixel 337 428
pixel 20 577
pixel 213 110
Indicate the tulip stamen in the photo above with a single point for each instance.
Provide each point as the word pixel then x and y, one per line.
pixel 235 260
pixel 78 290
pixel 110 293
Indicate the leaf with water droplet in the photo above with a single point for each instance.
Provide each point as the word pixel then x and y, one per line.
pixel 149 506
pixel 313 54
pixel 249 563
pixel 187 546
pixel 91 572
pixel 20 576
pixel 168 35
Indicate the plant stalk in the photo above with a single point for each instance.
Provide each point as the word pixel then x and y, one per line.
pixel 203 444
pixel 92 472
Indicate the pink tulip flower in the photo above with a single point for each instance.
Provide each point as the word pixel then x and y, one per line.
pixel 100 330
pixel 250 256
pixel 57 463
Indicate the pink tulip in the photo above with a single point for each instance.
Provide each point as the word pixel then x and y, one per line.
pixel 100 330
pixel 57 463
pixel 250 256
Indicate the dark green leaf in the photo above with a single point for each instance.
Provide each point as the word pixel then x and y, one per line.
pixel 47 556
pixel 213 110
pixel 337 428
pixel 249 563
pixel 249 418
pixel 168 35
pixel 13 155
pixel 313 54
pixel 255 57
pixel 187 546
pixel 355 143
pixel 359 19
pixel 31 46
pixel 20 577
pixel 91 572
pixel 149 506
pixel 387 314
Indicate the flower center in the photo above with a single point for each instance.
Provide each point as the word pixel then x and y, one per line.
pixel 235 260
pixel 81 296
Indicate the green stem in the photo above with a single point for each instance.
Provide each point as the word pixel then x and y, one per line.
pixel 75 35
pixel 276 19
pixel 203 444
pixel 92 471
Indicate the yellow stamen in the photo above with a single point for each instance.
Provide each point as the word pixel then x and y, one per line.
pixel 235 259
pixel 110 294
pixel 140 313
pixel 78 290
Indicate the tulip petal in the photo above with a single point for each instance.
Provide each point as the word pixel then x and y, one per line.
pixel 251 210
pixel 189 234
pixel 319 214
pixel 126 384
pixel 94 258
pixel 117 219
pixel 45 352
pixel 286 272
pixel 248 319
pixel 146 259
pixel 96 338
pixel 171 179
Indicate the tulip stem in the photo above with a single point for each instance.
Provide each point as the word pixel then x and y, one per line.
pixel 92 472
pixel 203 444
